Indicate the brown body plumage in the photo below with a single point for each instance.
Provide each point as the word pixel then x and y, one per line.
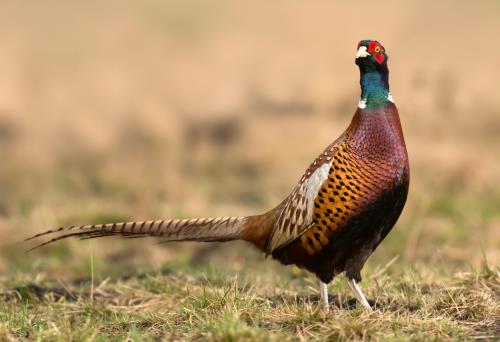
pixel 342 208
pixel 360 200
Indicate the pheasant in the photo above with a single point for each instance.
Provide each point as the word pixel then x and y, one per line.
pixel 342 208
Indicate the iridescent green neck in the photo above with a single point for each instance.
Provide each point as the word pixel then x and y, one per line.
pixel 374 89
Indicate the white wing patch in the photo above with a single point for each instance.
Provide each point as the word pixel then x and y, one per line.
pixel 314 183
pixel 296 215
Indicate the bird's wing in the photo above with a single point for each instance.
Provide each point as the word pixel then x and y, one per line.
pixel 335 188
pixel 296 213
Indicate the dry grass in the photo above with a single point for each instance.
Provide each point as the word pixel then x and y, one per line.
pixel 186 303
pixel 142 110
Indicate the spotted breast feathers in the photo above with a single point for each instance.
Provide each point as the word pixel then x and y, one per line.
pixel 335 188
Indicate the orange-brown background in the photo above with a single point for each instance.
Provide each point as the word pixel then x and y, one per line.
pixel 139 110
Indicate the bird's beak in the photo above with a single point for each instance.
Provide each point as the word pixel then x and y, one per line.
pixel 362 52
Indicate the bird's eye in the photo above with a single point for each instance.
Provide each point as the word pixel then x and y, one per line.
pixel 377 49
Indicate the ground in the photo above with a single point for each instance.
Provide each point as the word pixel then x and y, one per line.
pixel 145 110
pixel 252 300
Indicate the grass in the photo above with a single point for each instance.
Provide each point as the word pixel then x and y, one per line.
pixel 422 289
pixel 186 110
pixel 182 302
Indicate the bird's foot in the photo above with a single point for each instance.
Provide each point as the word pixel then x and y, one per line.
pixel 359 294
pixel 323 289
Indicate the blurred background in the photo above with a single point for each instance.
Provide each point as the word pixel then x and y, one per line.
pixel 130 110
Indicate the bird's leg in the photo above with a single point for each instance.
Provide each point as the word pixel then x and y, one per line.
pixel 359 294
pixel 323 290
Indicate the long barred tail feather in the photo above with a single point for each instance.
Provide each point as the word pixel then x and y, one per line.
pixel 200 229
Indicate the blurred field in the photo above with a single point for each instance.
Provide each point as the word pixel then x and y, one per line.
pixel 140 110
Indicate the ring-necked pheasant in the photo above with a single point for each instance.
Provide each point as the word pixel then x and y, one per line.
pixel 342 208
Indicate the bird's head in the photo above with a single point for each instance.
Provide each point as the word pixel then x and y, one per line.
pixel 371 56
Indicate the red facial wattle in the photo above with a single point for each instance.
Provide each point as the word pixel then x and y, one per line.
pixel 377 51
